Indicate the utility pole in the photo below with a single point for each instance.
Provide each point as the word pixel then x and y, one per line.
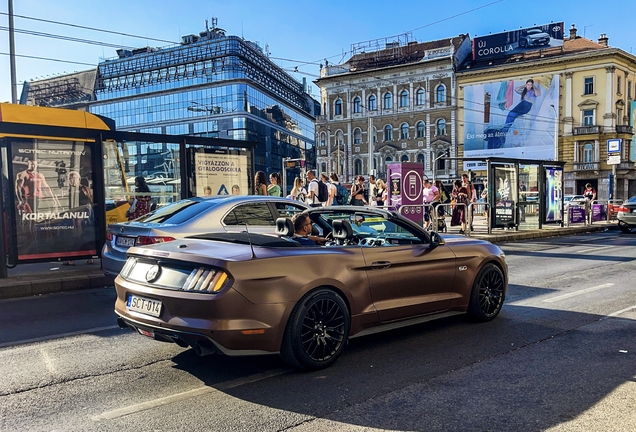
pixel 14 84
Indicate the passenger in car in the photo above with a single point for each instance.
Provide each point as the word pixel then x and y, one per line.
pixel 302 231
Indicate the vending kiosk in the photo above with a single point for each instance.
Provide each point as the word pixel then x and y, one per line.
pixel 405 183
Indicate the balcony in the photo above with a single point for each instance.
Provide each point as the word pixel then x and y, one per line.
pixel 624 129
pixel 587 130
pixel 587 166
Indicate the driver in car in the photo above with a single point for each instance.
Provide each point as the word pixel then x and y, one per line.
pixel 302 231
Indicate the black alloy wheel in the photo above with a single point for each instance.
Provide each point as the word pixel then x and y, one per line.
pixel 488 294
pixel 317 330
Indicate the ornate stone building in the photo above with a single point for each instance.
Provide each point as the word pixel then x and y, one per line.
pixel 393 100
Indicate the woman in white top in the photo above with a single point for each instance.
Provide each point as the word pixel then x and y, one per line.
pixel 298 192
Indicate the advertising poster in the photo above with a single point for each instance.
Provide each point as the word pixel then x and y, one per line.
pixel 505 196
pixel 517 41
pixel 515 118
pixel 220 174
pixel 53 196
pixel 632 122
pixel 577 214
pixel 553 194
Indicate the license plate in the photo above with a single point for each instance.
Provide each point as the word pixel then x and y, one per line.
pixel 125 241
pixel 144 305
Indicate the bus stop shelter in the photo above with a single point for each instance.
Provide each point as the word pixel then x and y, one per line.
pixel 66 172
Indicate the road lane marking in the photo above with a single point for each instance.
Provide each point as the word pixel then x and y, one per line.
pixel 57 336
pixel 622 311
pixel 577 293
pixel 144 406
pixel 596 249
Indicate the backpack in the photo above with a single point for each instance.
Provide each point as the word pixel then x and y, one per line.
pixel 342 194
pixel 323 191
pixel 443 196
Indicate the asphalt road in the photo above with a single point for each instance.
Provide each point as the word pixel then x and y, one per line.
pixel 561 356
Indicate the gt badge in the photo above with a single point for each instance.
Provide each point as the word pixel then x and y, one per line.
pixel 461 268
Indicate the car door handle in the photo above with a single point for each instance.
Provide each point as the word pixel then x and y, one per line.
pixel 376 265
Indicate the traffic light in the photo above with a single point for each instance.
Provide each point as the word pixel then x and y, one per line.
pixel 471 176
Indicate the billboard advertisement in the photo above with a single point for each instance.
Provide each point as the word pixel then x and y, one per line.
pixel 632 123
pixel 220 174
pixel 54 210
pixel 513 118
pixel 517 41
pixel 553 194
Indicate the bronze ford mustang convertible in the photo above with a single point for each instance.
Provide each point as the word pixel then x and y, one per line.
pixel 245 293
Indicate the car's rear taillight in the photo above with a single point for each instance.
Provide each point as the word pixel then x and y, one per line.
pixel 623 209
pixel 205 280
pixel 109 236
pixel 148 240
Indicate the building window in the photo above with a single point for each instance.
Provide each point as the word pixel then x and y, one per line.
pixel 357 136
pixel 588 153
pixel 388 133
pixel 404 131
pixel 619 116
pixel 338 107
pixel 420 158
pixel 441 162
pixel 588 117
pixel 357 166
pixel 629 89
pixel 404 99
pixel 588 86
pixel 441 127
pixel 388 101
pixel 419 97
pixel 405 158
pixel 619 83
pixel 440 94
pixel 357 106
pixel 375 135
pixel 323 167
pixel 421 131
pixel 372 103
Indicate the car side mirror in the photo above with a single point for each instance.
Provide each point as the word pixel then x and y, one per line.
pixel 436 240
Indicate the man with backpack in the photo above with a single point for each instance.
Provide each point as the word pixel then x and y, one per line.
pixel 342 194
pixel 318 191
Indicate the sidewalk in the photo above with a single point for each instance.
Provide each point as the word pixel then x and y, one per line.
pixel 44 278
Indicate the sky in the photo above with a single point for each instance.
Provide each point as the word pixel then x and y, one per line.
pixel 298 34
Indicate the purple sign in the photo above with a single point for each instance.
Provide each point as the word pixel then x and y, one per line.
pixel 405 186
pixel 577 214
pixel 599 213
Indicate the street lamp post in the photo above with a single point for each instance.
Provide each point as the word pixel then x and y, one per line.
pixel 197 107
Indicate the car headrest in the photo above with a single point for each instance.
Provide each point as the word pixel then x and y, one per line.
pixel 342 229
pixel 284 227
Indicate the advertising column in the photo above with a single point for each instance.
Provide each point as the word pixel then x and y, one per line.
pixel 53 199
pixel 405 189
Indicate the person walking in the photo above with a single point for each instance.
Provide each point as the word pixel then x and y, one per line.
pixel 431 196
pixel 357 192
pixel 140 204
pixel 330 187
pixel 298 192
pixel 274 185
pixel 460 198
pixel 260 183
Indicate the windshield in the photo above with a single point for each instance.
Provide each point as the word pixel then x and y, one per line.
pixel 365 225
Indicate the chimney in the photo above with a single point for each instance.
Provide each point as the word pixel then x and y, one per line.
pixel 573 32
pixel 603 40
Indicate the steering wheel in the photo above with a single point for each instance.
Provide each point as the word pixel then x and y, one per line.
pixel 329 235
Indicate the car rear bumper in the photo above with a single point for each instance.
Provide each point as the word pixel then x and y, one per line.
pixel 226 323
pixel 112 263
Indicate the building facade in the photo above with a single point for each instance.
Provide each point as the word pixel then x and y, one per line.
pixel 393 100
pixel 584 93
pixel 210 85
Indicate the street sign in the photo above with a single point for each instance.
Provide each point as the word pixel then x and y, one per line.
pixel 294 163
pixel 614 145
pixel 614 159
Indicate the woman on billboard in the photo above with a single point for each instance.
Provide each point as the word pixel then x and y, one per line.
pixel 529 93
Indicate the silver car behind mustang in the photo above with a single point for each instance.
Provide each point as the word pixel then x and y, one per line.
pixel 194 216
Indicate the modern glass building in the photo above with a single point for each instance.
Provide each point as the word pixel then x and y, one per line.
pixel 210 85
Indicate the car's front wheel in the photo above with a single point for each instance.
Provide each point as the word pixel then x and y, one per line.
pixel 488 294
pixel 317 330
pixel 624 227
